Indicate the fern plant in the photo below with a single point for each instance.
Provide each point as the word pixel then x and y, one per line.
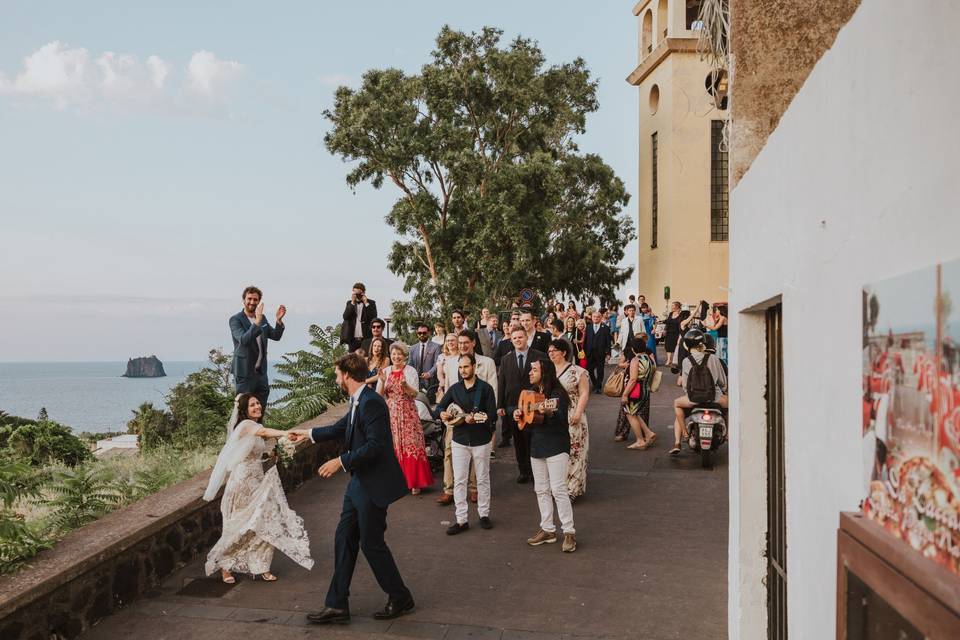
pixel 308 378
pixel 19 541
pixel 80 495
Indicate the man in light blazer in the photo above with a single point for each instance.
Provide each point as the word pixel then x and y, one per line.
pixel 423 358
pixel 488 336
pixel 250 332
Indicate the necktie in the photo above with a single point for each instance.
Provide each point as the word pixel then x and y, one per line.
pixel 520 364
pixel 420 365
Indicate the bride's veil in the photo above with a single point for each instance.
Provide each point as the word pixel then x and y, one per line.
pixel 238 445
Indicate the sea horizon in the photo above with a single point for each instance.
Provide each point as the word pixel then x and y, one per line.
pixel 89 396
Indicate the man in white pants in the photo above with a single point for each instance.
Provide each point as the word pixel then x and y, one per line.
pixel 472 440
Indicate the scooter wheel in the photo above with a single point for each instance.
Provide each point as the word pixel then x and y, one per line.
pixel 706 458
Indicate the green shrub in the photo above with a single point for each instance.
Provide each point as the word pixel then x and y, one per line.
pixel 19 539
pixel 309 380
pixel 42 442
pixel 80 495
pixel 201 405
pixel 152 426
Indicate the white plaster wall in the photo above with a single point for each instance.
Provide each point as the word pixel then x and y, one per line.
pixel 858 183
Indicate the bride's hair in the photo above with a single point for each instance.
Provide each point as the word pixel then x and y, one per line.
pixel 243 405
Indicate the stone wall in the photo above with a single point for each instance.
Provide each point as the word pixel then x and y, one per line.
pixel 774 44
pixel 102 567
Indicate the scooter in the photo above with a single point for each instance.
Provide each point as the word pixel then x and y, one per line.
pixel 432 433
pixel 707 427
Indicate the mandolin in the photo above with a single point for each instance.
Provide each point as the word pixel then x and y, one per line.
pixel 459 416
pixel 531 406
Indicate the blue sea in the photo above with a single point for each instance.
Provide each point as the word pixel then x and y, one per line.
pixel 86 396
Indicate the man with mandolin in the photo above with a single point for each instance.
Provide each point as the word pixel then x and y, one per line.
pixel 468 408
pixel 542 411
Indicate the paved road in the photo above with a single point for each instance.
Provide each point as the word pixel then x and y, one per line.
pixel 651 562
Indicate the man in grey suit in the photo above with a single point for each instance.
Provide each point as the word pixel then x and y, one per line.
pixel 423 358
pixel 250 331
pixel 489 336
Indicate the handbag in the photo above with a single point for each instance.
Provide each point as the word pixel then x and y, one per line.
pixel 657 379
pixel 613 387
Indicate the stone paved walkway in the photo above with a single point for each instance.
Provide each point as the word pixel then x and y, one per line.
pixel 651 562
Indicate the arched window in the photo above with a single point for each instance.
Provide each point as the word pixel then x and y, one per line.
pixel 646 41
pixel 663 19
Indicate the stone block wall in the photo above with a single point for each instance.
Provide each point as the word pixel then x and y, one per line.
pixel 102 567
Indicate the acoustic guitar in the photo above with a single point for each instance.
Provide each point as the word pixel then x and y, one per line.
pixel 531 406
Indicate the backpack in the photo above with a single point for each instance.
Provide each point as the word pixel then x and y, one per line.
pixel 701 387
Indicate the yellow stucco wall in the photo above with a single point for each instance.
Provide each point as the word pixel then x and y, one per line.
pixel 685 259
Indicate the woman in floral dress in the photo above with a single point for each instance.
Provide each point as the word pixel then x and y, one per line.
pixel 399 384
pixel 576 382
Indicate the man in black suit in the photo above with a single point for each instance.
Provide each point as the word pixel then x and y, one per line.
pixel 376 331
pixel 537 340
pixel 357 316
pixel 597 347
pixel 250 332
pixel 514 377
pixel 376 481
pixel 505 345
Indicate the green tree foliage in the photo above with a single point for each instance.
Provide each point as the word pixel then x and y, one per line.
pixel 201 404
pixel 41 442
pixel 153 426
pixel 308 379
pixel 494 193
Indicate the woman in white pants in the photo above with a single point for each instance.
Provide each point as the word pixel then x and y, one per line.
pixel 550 458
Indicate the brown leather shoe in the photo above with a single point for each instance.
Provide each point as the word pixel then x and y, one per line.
pixel 569 543
pixel 542 537
pixel 445 499
pixel 473 497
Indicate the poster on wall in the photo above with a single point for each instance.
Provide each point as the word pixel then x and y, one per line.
pixel 911 409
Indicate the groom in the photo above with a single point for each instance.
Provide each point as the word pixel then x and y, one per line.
pixel 376 482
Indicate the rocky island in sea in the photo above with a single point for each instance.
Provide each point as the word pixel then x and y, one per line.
pixel 150 367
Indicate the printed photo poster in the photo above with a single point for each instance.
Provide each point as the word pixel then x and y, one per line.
pixel 911 409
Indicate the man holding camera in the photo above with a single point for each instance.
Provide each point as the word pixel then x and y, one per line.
pixel 357 316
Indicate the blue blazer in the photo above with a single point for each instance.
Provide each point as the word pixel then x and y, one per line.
pixel 244 335
pixel 370 458
pixel 430 357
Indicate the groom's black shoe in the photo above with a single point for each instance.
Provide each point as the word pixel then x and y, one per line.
pixel 395 609
pixel 329 615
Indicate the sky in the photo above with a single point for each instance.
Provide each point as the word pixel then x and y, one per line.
pixel 158 157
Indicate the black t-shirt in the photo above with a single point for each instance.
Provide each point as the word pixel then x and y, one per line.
pixel 552 436
pixel 479 397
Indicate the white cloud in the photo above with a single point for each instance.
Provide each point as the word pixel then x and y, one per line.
pixel 208 75
pixel 73 77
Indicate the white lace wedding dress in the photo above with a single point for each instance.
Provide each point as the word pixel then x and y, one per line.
pixel 256 518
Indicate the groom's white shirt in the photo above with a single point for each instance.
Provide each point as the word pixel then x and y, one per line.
pixel 354 401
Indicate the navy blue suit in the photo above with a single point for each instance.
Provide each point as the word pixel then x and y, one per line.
pixel 376 481
pixel 246 351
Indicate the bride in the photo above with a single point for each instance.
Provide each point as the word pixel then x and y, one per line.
pixel 256 518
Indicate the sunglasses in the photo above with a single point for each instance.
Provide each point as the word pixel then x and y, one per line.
pixel 376 326
pixel 423 333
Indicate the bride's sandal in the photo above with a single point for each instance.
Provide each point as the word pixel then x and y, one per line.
pixel 227 578
pixel 266 577
pixel 638 445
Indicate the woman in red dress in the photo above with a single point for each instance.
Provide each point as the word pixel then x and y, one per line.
pixel 398 384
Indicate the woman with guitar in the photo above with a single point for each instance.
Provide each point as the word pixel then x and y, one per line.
pixel 544 410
